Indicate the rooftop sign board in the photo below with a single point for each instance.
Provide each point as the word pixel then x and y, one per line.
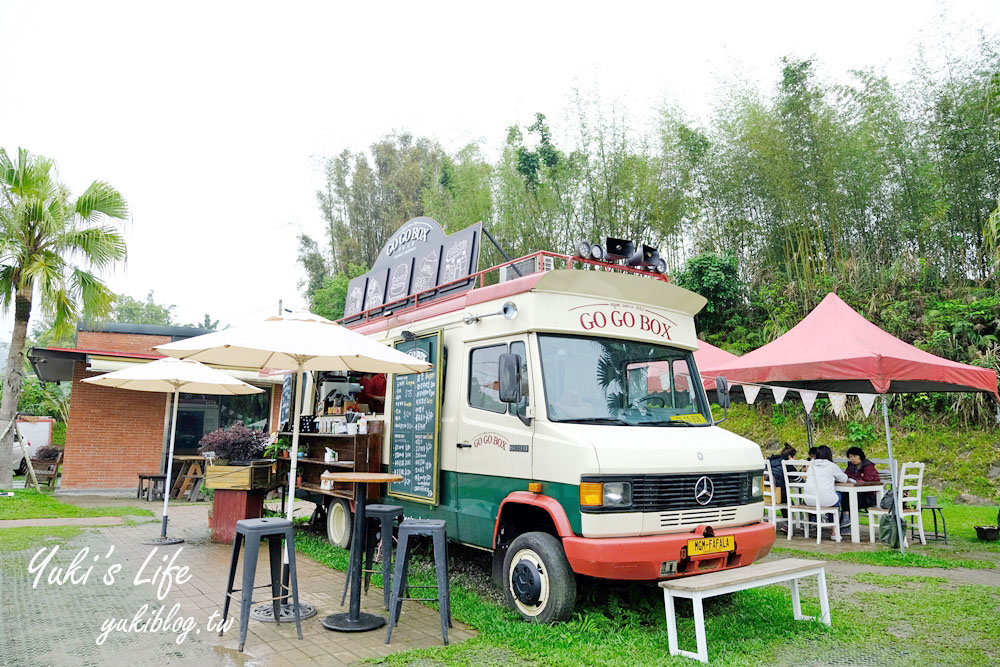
pixel 417 259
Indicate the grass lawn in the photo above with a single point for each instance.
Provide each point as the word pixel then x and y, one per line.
pixel 893 619
pixel 29 504
pixel 880 619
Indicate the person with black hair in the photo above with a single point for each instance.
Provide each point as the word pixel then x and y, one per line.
pixel 787 452
pixel 812 453
pixel 823 475
pixel 862 471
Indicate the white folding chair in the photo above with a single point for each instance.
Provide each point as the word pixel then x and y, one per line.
pixel 908 501
pixel 797 475
pixel 772 496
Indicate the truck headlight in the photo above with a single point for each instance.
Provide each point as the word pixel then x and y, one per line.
pixel 757 486
pixel 617 494
pixel 605 494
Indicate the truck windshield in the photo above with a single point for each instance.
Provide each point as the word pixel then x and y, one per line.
pixel 612 381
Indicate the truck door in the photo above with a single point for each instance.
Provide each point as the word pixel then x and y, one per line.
pixel 494 443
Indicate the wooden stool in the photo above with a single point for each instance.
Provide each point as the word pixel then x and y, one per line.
pixel 151 484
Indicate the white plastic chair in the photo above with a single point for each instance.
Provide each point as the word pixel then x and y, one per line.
pixel 908 501
pixel 797 475
pixel 772 496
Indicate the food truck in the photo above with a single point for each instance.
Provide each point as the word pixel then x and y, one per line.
pixel 565 429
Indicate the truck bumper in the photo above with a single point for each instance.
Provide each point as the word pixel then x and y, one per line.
pixel 664 556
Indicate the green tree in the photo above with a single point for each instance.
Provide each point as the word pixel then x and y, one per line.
pixel 50 244
pixel 717 279
pixel 127 310
pixel 329 300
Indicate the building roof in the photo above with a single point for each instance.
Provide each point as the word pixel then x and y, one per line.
pixel 175 332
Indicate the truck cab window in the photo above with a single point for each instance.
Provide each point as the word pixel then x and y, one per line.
pixel 484 369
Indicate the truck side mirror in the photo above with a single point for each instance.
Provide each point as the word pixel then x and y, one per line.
pixel 722 392
pixel 722 397
pixel 510 378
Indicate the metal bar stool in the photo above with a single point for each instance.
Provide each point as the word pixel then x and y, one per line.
pixel 252 530
pixel 435 529
pixel 386 515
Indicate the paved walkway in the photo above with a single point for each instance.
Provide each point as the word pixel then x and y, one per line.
pixel 62 623
pixel 65 521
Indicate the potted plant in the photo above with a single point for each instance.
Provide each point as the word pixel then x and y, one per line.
pixel 279 448
pixel 235 458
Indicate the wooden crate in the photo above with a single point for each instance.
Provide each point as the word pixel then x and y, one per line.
pixel 253 476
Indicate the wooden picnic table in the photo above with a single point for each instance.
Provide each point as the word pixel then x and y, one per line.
pixel 190 473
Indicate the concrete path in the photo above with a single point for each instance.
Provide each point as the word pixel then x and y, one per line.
pixel 74 521
pixel 59 622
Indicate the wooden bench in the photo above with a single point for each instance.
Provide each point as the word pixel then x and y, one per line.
pixel 699 587
pixel 47 471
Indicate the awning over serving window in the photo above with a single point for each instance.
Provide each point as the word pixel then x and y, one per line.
pixel 835 349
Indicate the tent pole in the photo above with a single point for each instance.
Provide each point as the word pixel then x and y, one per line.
pixel 892 472
pixel 809 430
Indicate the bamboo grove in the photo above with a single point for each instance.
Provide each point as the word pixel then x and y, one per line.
pixel 884 192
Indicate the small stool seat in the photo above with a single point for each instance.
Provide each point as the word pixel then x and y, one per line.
pixel 252 531
pixel 435 529
pixel 152 484
pixel 386 516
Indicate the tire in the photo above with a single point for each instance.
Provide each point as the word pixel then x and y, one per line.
pixel 23 468
pixel 339 524
pixel 537 580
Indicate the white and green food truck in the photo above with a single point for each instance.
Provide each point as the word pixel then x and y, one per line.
pixel 565 428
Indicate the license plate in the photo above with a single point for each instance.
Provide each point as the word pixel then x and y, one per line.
pixel 711 545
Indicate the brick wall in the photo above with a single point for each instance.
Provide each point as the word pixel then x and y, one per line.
pixel 119 342
pixel 113 434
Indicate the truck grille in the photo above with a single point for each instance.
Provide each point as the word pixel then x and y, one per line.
pixel 658 493
pixel 696 517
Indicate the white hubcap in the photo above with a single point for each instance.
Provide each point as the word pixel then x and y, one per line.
pixel 543 596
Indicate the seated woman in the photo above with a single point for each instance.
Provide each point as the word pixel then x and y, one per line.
pixel 824 474
pixel 861 470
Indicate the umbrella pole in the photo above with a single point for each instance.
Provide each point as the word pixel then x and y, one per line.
pixel 892 472
pixel 163 539
pixel 295 443
pixel 265 612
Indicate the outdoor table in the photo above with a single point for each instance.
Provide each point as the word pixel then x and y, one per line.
pixel 189 468
pixel 354 620
pixel 934 510
pixel 852 492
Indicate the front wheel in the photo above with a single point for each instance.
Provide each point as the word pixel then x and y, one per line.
pixel 538 582
pixel 338 523
pixel 22 469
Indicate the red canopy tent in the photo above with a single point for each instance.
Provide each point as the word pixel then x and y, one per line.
pixel 834 349
pixel 706 356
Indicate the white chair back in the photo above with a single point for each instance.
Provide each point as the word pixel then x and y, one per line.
pixel 911 481
pixel 771 505
pixel 797 474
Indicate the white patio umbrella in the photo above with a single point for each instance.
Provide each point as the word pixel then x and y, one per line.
pixel 301 342
pixel 174 376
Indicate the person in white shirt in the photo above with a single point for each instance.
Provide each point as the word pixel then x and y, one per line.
pixel 825 473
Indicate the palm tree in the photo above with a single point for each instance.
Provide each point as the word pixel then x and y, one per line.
pixel 49 246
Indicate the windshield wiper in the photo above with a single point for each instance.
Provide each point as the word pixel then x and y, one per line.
pixel 666 422
pixel 596 420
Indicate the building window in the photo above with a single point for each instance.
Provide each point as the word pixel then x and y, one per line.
pixel 198 414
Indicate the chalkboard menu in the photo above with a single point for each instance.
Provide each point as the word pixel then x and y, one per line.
pixel 413 438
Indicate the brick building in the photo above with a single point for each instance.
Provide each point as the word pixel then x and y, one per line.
pixel 115 434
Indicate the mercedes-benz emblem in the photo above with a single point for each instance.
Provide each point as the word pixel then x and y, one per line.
pixel 703 491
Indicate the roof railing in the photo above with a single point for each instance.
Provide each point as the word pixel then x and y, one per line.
pixel 413 301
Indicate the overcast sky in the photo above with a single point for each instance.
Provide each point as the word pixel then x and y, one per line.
pixel 210 117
